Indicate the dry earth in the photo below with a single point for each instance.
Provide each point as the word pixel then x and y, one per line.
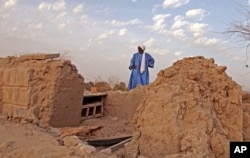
pixel 25 140
pixel 21 139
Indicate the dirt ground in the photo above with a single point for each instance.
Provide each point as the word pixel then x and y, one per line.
pixel 19 139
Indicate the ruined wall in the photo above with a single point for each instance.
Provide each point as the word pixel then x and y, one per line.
pixel 1 90
pixel 246 115
pixel 123 104
pixel 192 109
pixel 41 90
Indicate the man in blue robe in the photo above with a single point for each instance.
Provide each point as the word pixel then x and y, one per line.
pixel 139 68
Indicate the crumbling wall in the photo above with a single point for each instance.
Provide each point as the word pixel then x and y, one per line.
pixel 123 104
pixel 1 91
pixel 41 90
pixel 192 109
pixel 246 115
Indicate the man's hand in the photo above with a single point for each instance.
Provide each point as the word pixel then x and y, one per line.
pixel 132 67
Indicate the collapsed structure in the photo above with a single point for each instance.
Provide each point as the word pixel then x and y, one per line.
pixel 192 109
pixel 40 89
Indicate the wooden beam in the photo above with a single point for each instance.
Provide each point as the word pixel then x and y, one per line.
pixel 39 56
pixel 108 141
pixel 115 147
pixel 100 94
pixel 119 145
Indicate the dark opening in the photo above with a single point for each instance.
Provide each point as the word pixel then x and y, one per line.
pixel 88 100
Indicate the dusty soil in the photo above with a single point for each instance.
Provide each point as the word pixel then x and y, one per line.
pixel 21 139
pixel 25 140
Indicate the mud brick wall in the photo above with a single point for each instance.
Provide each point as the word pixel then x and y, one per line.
pixel 192 109
pixel 15 90
pixel 41 90
pixel 1 85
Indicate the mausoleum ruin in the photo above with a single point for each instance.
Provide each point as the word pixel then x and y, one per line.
pixel 41 89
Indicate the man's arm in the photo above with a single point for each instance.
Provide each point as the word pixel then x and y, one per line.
pixel 151 61
pixel 132 63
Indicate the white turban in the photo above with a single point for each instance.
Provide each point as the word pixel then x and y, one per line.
pixel 142 47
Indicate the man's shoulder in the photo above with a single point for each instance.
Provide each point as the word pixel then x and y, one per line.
pixel 146 53
pixel 135 54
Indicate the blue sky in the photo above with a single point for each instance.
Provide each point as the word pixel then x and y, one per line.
pixel 99 37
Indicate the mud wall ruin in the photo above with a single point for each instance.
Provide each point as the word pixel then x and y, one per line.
pixel 192 109
pixel 40 89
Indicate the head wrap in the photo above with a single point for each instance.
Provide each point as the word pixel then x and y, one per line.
pixel 142 47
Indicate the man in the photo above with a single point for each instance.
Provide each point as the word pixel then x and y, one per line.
pixel 139 68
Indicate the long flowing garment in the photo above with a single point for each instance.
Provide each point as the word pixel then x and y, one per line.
pixel 136 77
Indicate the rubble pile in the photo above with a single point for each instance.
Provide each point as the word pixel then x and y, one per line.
pixel 192 109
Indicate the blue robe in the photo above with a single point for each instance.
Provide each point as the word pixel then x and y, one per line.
pixel 136 76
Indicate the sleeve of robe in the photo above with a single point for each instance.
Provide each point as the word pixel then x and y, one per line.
pixel 151 61
pixel 132 62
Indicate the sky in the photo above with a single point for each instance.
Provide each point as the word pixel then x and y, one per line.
pixel 100 36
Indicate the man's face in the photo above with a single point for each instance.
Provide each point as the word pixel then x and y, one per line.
pixel 140 50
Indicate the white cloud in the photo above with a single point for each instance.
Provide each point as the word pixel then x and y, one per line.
pixel 102 9
pixel 178 17
pixel 90 42
pixel 206 41
pixel 156 7
pixel 174 3
pixel 122 32
pixel 178 53
pixel 160 51
pixel 134 0
pixel 178 33
pixel 10 3
pixel 196 14
pixel 159 22
pixel 133 41
pixel 14 29
pixel 111 32
pixel 61 15
pixel 70 32
pixel 124 56
pixel 35 26
pixel 235 58
pixel 39 26
pixel 179 22
pixel 62 25
pixel 78 9
pixel 158 17
pixel 123 23
pixel 106 35
pixel 111 58
pixel 198 28
pixel 82 21
pixel 150 43
pixel 56 6
pixel 5 16
pixel 102 36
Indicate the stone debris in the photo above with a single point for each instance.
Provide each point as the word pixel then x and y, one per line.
pixel 192 109
pixel 81 131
